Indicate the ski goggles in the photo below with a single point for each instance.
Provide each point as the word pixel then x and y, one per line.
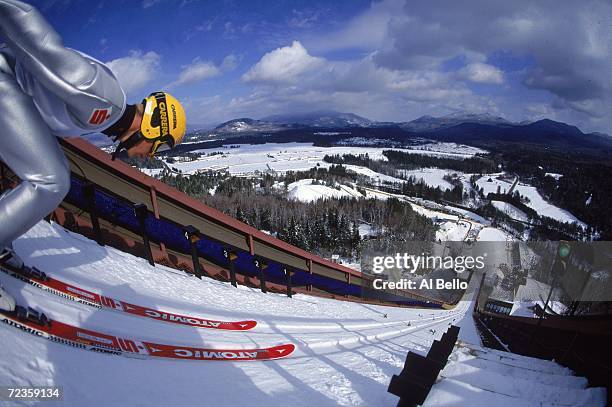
pixel 160 145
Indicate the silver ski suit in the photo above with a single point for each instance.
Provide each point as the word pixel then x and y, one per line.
pixel 46 90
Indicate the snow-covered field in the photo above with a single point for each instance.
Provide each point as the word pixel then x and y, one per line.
pixel 151 172
pixel 373 175
pixel 304 191
pixel 536 201
pixel 453 231
pixel 284 157
pixel 346 352
pixel 456 224
pixel 279 157
pixel 490 234
pixel 434 177
pixel 510 210
pixel 451 149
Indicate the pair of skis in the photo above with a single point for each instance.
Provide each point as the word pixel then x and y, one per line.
pixel 71 292
pixel 36 323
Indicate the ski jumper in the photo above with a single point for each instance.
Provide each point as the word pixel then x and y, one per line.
pixel 46 91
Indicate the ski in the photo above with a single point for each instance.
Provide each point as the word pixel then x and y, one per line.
pixel 36 323
pixel 39 279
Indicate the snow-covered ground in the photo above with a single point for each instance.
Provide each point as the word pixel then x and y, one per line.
pixel 453 231
pixel 366 230
pixel 373 175
pixel 282 157
pixel 304 191
pixel 510 210
pixel 534 293
pixel 279 157
pixel 489 234
pixel 151 172
pixel 478 376
pixel 456 224
pixel 449 150
pixel 536 201
pixel 553 175
pixel 434 177
pixel 346 352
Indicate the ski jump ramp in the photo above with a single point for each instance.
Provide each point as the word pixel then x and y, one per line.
pixel 118 187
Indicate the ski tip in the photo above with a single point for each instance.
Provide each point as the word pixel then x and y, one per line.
pixel 281 351
pixel 245 325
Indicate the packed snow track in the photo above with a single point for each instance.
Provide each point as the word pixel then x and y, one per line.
pixel 346 352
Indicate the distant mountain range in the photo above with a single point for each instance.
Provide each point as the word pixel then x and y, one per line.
pixel 246 125
pixel 338 120
pixel 467 128
pixel 543 132
pixel 321 118
pixel 324 119
pixel 429 123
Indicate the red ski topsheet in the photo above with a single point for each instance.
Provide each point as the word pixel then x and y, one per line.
pixel 91 298
pixel 93 340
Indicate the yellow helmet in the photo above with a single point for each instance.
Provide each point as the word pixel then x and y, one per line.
pixel 163 121
pixel 163 124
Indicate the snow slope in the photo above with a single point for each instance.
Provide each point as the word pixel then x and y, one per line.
pixel 304 191
pixel 489 234
pixel 346 352
pixel 453 231
pixel 536 201
pixel 479 376
pixel 373 175
pixel 434 177
pixel 510 210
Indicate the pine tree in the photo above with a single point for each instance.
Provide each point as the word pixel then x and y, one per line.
pixel 266 219
pixel 355 240
pixel 240 214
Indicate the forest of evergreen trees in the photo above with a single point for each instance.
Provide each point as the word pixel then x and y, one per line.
pixel 323 227
pixel 410 161
pixel 525 166
pixel 362 160
pixel 584 189
pixel 411 187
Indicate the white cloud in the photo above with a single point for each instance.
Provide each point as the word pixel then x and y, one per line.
pixel 135 70
pixel 293 67
pixel 290 79
pixel 570 64
pixel 482 73
pixel 304 18
pixel 230 62
pixel 103 45
pixel 537 111
pixel 284 64
pixel 229 31
pixel 412 44
pixel 149 3
pixel 195 72
pixel 366 31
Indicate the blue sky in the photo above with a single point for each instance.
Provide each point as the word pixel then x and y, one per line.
pixel 386 60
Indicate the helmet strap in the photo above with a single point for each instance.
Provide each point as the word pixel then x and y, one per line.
pixel 127 144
